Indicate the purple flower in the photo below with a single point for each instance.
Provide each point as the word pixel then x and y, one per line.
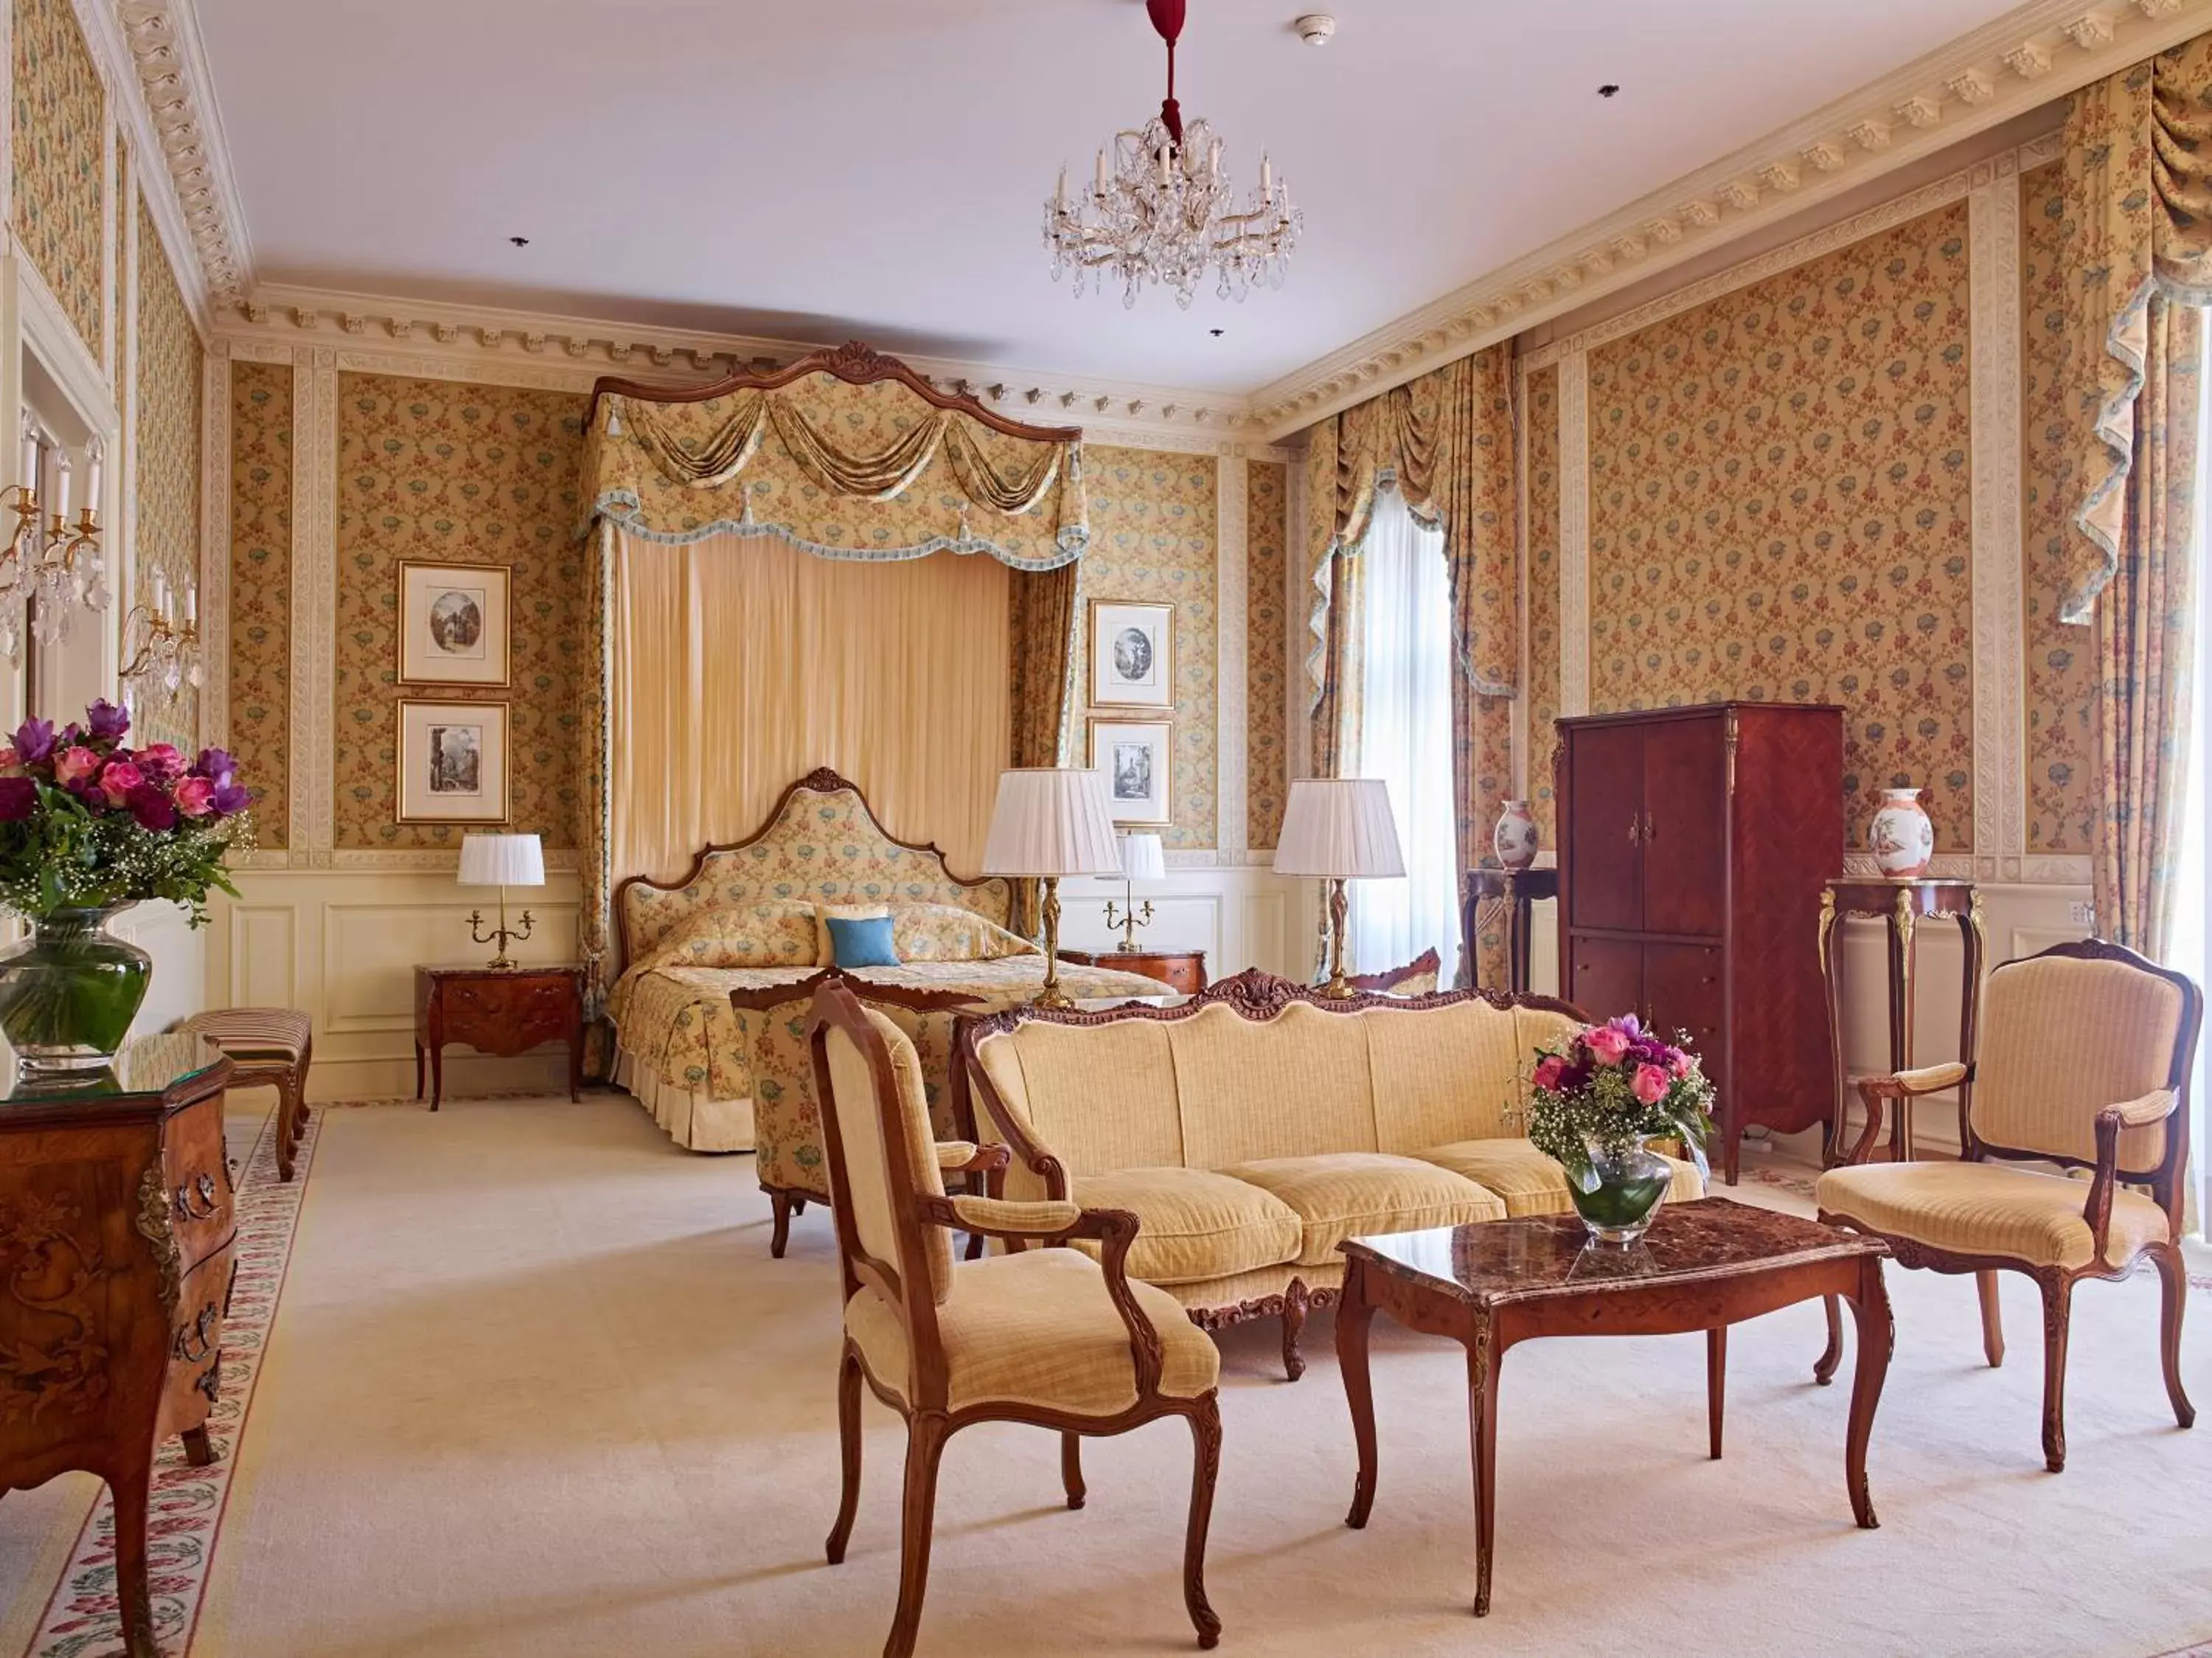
pixel 107 720
pixel 153 808
pixel 229 798
pixel 215 765
pixel 34 740
pixel 19 798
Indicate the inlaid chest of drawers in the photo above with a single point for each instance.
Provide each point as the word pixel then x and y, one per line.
pixel 1183 971
pixel 497 1010
pixel 118 1223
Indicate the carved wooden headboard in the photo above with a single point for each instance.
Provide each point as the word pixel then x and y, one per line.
pixel 820 842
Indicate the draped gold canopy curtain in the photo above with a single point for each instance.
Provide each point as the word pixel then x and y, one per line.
pixel 832 564
pixel 1446 440
pixel 2138 188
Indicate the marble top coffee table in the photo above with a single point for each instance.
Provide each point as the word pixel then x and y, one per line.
pixel 1704 1265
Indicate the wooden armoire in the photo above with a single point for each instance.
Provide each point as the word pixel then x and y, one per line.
pixel 1694 846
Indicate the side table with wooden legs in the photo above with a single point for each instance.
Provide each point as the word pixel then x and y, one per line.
pixel 1519 891
pixel 1901 905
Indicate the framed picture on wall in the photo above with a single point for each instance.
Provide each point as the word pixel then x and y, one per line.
pixel 1137 756
pixel 1132 655
pixel 452 762
pixel 454 624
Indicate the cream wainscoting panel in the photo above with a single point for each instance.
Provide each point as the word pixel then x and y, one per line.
pixel 341 945
pixel 1241 915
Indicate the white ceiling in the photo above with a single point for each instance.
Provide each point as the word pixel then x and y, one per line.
pixel 816 169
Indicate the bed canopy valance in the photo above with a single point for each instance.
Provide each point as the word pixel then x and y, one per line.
pixel 845 453
pixel 735 645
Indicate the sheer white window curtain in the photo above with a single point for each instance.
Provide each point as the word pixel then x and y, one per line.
pixel 1405 739
pixel 2191 950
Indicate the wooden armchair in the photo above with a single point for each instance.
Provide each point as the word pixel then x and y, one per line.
pixel 2087 1053
pixel 1417 978
pixel 1045 1336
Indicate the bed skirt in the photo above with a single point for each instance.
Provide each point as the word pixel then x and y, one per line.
pixel 695 1121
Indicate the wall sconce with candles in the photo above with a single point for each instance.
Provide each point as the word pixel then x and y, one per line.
pixel 48 559
pixel 169 651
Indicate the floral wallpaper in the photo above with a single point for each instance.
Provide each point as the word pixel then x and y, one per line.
pixel 167 445
pixel 1267 649
pixel 61 114
pixel 1779 510
pixel 1543 597
pixel 261 590
pixel 2060 678
pixel 1152 529
pixel 438 470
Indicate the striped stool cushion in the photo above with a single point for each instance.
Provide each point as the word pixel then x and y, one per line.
pixel 281 1033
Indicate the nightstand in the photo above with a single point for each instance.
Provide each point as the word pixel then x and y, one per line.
pixel 497 1010
pixel 1179 969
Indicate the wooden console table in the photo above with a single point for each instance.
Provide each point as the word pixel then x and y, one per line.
pixel 117 1224
pixel 1519 890
pixel 1901 905
pixel 1179 969
pixel 497 1010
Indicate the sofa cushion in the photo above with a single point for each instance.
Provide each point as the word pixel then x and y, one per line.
pixel 1282 1086
pixel 1352 1194
pixel 1441 1074
pixel 1529 1181
pixel 1195 1224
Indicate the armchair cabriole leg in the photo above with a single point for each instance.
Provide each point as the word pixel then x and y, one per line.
pixel 1297 1300
pixel 1071 1468
pixel 2173 1293
pixel 925 1445
pixel 1985 1284
pixel 1824 1367
pixel 1205 1465
pixel 779 1237
pixel 848 1439
pixel 2057 1315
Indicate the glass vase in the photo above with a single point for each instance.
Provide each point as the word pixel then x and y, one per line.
pixel 68 992
pixel 1630 1185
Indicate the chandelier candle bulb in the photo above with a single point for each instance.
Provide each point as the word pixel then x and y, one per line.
pixel 61 489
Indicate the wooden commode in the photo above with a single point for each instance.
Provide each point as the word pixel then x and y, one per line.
pixel 1183 971
pixel 497 1010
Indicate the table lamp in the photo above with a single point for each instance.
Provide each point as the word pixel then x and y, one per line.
pixel 1340 829
pixel 1141 860
pixel 1050 822
pixel 501 861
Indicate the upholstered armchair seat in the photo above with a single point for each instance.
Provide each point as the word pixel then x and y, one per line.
pixel 1038 1329
pixel 1988 1210
pixel 1528 1182
pixel 1198 1224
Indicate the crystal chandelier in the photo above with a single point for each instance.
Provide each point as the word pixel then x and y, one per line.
pixel 169 653
pixel 1162 212
pixel 48 560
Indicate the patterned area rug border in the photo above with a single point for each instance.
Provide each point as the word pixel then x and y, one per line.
pixel 84 1616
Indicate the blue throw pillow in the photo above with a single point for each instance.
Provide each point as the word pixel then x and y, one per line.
pixel 862 944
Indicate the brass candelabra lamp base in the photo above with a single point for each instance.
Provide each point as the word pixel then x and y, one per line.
pixel 499 936
pixel 1337 984
pixel 1051 994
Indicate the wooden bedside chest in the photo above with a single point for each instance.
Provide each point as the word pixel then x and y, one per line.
pixel 1179 969
pixel 497 1010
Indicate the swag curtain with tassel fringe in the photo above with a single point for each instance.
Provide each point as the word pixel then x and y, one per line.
pixel 1448 440
pixel 2138 181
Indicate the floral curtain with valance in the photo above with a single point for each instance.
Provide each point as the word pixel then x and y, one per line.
pixel 846 455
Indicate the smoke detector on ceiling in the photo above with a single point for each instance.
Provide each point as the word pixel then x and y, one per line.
pixel 1315 27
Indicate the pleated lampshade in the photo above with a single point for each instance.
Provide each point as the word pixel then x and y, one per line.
pixel 1339 827
pixel 1142 859
pixel 502 861
pixel 1052 822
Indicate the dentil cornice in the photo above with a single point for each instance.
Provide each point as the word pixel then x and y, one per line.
pixel 2039 52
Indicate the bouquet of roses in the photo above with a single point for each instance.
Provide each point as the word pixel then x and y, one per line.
pixel 1612 1087
pixel 87 823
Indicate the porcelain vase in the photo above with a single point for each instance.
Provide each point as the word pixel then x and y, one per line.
pixel 1902 840
pixel 1513 839
pixel 68 992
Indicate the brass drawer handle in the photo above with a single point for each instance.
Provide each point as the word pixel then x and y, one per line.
pixel 203 1188
pixel 199 1335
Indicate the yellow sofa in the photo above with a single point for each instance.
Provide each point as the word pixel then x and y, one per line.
pixel 1256 1126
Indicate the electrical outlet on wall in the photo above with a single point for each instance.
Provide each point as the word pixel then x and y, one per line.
pixel 2082 914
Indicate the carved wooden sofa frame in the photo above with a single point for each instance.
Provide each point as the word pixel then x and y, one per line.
pixel 1255 995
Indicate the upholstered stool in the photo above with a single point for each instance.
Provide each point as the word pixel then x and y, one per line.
pixel 267 1048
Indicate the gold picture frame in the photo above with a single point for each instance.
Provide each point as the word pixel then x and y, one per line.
pixel 1132 654
pixel 451 761
pixel 455 624
pixel 1137 757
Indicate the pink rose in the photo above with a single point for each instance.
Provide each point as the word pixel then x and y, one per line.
pixel 1681 1064
pixel 1607 1044
pixel 1650 1084
pixel 1549 1070
pixel 11 763
pixel 161 760
pixel 75 766
pixel 118 780
pixel 196 797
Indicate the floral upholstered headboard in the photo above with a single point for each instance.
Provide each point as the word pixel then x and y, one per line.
pixel 821 842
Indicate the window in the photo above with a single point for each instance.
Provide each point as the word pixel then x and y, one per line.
pixel 1405 739
pixel 2192 948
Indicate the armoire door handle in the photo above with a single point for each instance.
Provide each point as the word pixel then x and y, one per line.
pixel 1635 829
pixel 1651 829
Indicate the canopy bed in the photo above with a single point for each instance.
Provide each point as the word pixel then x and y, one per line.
pixel 786 581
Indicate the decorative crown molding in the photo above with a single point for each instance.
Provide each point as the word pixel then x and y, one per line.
pixel 2032 56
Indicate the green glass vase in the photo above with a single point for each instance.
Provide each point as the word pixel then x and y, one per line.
pixel 68 992
pixel 1630 1185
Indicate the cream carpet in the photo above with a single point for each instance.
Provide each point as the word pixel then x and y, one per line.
pixel 536 1387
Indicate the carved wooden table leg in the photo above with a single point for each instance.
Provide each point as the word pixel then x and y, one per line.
pixel 1716 1387
pixel 1482 1366
pixel 1831 940
pixel 1355 1314
pixel 1877 1331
